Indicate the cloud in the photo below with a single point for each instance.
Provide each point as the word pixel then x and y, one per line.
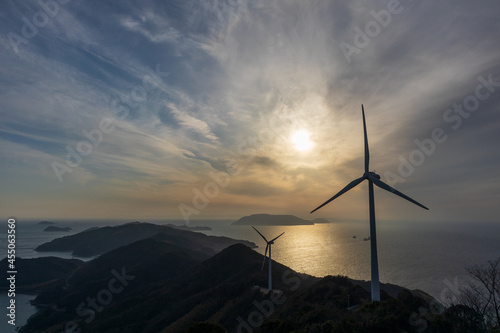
pixel 242 77
pixel 192 123
pixel 159 32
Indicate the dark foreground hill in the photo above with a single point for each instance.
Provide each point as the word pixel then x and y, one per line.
pixel 35 273
pixel 159 286
pixel 153 286
pixel 97 241
pixel 172 282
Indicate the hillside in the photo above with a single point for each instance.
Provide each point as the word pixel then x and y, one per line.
pixel 100 240
pixel 41 271
pixel 169 289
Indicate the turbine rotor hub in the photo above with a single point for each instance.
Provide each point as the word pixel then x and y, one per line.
pixel 371 173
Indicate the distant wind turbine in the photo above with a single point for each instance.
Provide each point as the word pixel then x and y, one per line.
pixel 269 243
pixel 372 178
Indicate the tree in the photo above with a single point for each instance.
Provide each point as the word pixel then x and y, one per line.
pixel 463 319
pixel 483 293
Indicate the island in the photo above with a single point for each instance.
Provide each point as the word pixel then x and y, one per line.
pixel 54 228
pixel 46 223
pixel 268 219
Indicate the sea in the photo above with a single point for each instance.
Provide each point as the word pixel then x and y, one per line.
pixel 430 256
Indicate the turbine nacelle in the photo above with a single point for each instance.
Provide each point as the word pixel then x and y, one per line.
pixel 367 175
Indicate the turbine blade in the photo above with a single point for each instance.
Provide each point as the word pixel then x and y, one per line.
pixel 265 254
pixel 367 150
pixel 345 189
pixel 260 234
pixel 272 240
pixel 386 187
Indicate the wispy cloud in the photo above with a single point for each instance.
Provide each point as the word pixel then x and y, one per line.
pixel 242 78
pixel 192 123
pixel 152 27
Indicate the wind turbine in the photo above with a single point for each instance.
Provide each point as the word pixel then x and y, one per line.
pixel 269 243
pixel 372 178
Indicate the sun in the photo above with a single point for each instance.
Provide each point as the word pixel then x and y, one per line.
pixel 301 141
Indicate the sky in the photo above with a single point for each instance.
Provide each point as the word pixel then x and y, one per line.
pixel 215 109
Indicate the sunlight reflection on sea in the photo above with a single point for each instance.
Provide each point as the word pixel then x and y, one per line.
pixel 420 255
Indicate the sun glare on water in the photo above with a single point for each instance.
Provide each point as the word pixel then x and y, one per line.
pixel 301 140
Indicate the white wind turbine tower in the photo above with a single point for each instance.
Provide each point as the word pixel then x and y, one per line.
pixel 269 243
pixel 372 178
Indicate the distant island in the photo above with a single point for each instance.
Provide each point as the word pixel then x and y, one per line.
pixel 53 228
pixel 46 223
pixel 268 219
